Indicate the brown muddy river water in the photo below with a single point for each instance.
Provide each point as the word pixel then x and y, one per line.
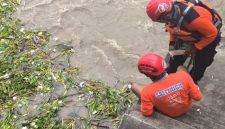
pixel 109 36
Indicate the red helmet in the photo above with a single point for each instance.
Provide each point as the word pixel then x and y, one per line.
pixel 151 64
pixel 156 8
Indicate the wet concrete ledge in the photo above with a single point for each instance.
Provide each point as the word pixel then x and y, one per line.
pixel 196 118
pixel 135 120
pixel 203 118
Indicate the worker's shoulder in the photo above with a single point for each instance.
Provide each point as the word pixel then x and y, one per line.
pixel 150 88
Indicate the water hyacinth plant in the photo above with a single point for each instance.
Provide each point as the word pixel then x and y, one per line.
pixel 104 101
pixel 28 68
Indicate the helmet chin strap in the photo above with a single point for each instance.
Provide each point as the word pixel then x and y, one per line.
pixel 176 13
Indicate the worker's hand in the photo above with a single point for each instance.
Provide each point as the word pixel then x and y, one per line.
pixel 171 47
pixel 190 51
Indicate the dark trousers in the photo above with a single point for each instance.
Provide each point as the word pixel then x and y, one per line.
pixel 202 60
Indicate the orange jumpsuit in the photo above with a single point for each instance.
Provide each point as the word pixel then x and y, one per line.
pixel 198 28
pixel 203 24
pixel 171 96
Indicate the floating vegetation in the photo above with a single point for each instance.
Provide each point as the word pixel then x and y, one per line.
pixel 29 67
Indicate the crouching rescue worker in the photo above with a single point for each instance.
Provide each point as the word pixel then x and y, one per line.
pixel 193 26
pixel 169 94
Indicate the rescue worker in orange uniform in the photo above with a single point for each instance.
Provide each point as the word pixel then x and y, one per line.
pixel 193 26
pixel 170 94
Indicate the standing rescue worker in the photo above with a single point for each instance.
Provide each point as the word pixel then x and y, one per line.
pixel 170 94
pixel 194 26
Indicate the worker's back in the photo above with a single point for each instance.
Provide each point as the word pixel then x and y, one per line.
pixel 171 96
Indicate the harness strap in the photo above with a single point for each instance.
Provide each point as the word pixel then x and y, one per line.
pixel 217 21
pixel 191 62
pixel 196 1
pixel 182 17
pixel 218 24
